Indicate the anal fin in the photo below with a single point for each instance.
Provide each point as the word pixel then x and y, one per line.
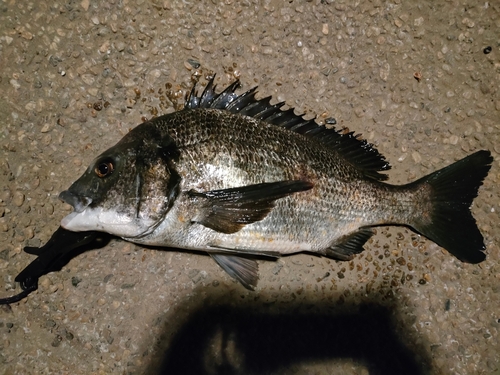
pixel 349 245
pixel 244 270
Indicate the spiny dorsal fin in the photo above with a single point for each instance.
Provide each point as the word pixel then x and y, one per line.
pixel 348 145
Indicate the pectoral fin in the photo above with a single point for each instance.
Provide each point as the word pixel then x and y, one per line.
pixel 242 269
pixel 348 246
pixel 229 210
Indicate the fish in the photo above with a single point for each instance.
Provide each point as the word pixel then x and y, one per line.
pixel 243 179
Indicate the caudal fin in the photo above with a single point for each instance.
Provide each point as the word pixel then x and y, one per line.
pixel 450 223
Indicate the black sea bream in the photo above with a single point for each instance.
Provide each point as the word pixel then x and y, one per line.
pixel 238 177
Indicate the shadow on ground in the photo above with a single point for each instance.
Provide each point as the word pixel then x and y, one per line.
pixel 224 339
pixel 224 335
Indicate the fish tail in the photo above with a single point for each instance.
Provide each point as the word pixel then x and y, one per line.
pixel 447 220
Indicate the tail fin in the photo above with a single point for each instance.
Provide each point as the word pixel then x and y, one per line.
pixel 451 224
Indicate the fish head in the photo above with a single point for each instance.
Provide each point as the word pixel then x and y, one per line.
pixel 128 189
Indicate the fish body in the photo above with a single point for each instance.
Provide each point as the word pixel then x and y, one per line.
pixel 238 177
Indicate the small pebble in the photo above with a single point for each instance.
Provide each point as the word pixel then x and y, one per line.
pixel 75 281
pixel 18 199
pixel 27 35
pixel 468 22
pixel 88 79
pixel 453 139
pixel 85 4
pixel 416 157
pixel 194 63
pixel 4 227
pixel 447 305
pixel 69 335
pixel 29 233
pixel 49 208
pixel 487 50
pixel 57 341
pixel 401 261
pixel 107 277
pixel 120 46
pixel 45 283
pixel 418 21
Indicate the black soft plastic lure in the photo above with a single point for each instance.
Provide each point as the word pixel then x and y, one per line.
pixel 55 254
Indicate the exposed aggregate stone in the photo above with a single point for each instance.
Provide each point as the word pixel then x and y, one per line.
pixel 415 78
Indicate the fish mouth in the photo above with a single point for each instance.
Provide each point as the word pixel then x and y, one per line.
pixel 79 203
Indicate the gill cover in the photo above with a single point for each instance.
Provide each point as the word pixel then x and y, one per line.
pixel 128 189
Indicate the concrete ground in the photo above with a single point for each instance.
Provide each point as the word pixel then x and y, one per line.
pixel 75 76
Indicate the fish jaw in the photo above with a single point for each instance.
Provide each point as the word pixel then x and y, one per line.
pixel 108 221
pixel 79 203
pixel 86 218
pixel 80 219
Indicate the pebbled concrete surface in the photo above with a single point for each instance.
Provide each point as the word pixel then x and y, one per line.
pixel 75 76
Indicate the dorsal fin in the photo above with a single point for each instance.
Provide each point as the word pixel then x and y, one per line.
pixel 348 145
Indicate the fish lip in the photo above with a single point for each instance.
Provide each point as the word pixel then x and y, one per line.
pixel 79 203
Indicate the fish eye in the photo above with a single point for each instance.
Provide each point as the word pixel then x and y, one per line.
pixel 104 168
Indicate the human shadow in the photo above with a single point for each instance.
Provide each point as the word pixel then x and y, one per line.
pixel 225 339
pixel 223 335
